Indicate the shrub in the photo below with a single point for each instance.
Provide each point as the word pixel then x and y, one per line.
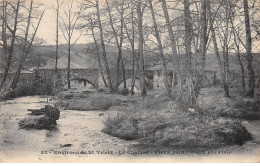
pixel 176 128
pixel 123 126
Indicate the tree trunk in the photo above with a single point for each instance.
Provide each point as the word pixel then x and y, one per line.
pixel 57 39
pixel 187 43
pixel 68 68
pixel 202 51
pixel 243 84
pixel 97 49
pixel 176 60
pixel 220 63
pixel 119 42
pixel 104 49
pixel 57 47
pixel 237 45
pixel 132 43
pixel 13 37
pixel 26 50
pixel 157 35
pixel 140 48
pixel 5 47
pixel 251 80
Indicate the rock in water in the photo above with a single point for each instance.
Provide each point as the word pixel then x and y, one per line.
pixel 52 112
pixel 43 118
pixel 37 122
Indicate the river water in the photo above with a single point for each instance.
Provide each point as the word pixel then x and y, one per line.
pixel 80 132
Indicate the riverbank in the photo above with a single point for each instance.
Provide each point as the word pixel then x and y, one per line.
pixel 80 131
pixel 158 121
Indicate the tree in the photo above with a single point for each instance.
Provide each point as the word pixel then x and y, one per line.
pixel 187 44
pixel 202 51
pixel 237 42
pixel 27 44
pixel 68 26
pixel 132 43
pixel 176 59
pixel 119 42
pixel 8 49
pixel 57 37
pixel 222 61
pixel 251 80
pixel 110 86
pixel 97 49
pixel 160 47
pixel 140 47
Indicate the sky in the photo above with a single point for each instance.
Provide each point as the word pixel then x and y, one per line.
pixel 47 29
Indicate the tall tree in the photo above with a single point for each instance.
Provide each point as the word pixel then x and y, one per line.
pixel 202 51
pixel 176 59
pixel 220 59
pixel 57 37
pixel 160 47
pixel 68 26
pixel 119 40
pixel 140 47
pixel 251 80
pixel 103 47
pixel 131 37
pixel 27 44
pixel 237 42
pixel 97 50
pixel 8 49
pixel 187 44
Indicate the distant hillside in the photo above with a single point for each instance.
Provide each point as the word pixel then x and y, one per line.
pixel 84 56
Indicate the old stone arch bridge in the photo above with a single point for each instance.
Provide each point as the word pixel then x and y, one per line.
pixel 92 78
pixel 88 77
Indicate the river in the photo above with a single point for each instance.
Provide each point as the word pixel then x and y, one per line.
pixel 80 133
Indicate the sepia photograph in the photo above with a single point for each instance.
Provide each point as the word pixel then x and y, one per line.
pixel 130 81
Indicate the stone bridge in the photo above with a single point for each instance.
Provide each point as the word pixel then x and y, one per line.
pixel 84 77
pixel 41 79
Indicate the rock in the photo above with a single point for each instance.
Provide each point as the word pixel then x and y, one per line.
pixel 192 110
pixel 37 122
pixel 66 145
pixel 48 110
pixel 101 114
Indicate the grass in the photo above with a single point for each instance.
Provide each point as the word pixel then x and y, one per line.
pixel 176 129
pixel 156 120
pixel 213 103
pixel 85 101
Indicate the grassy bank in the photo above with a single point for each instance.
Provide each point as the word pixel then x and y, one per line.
pixel 156 120
pixel 211 100
pixel 89 100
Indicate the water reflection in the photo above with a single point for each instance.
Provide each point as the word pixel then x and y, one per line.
pixel 81 129
pixel 53 132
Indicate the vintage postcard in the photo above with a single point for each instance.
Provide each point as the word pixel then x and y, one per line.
pixel 130 81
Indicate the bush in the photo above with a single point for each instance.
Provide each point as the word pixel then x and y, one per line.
pixel 176 128
pixel 20 91
pixel 122 126
pixel 124 92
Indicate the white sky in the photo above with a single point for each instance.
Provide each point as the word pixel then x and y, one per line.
pixel 47 29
